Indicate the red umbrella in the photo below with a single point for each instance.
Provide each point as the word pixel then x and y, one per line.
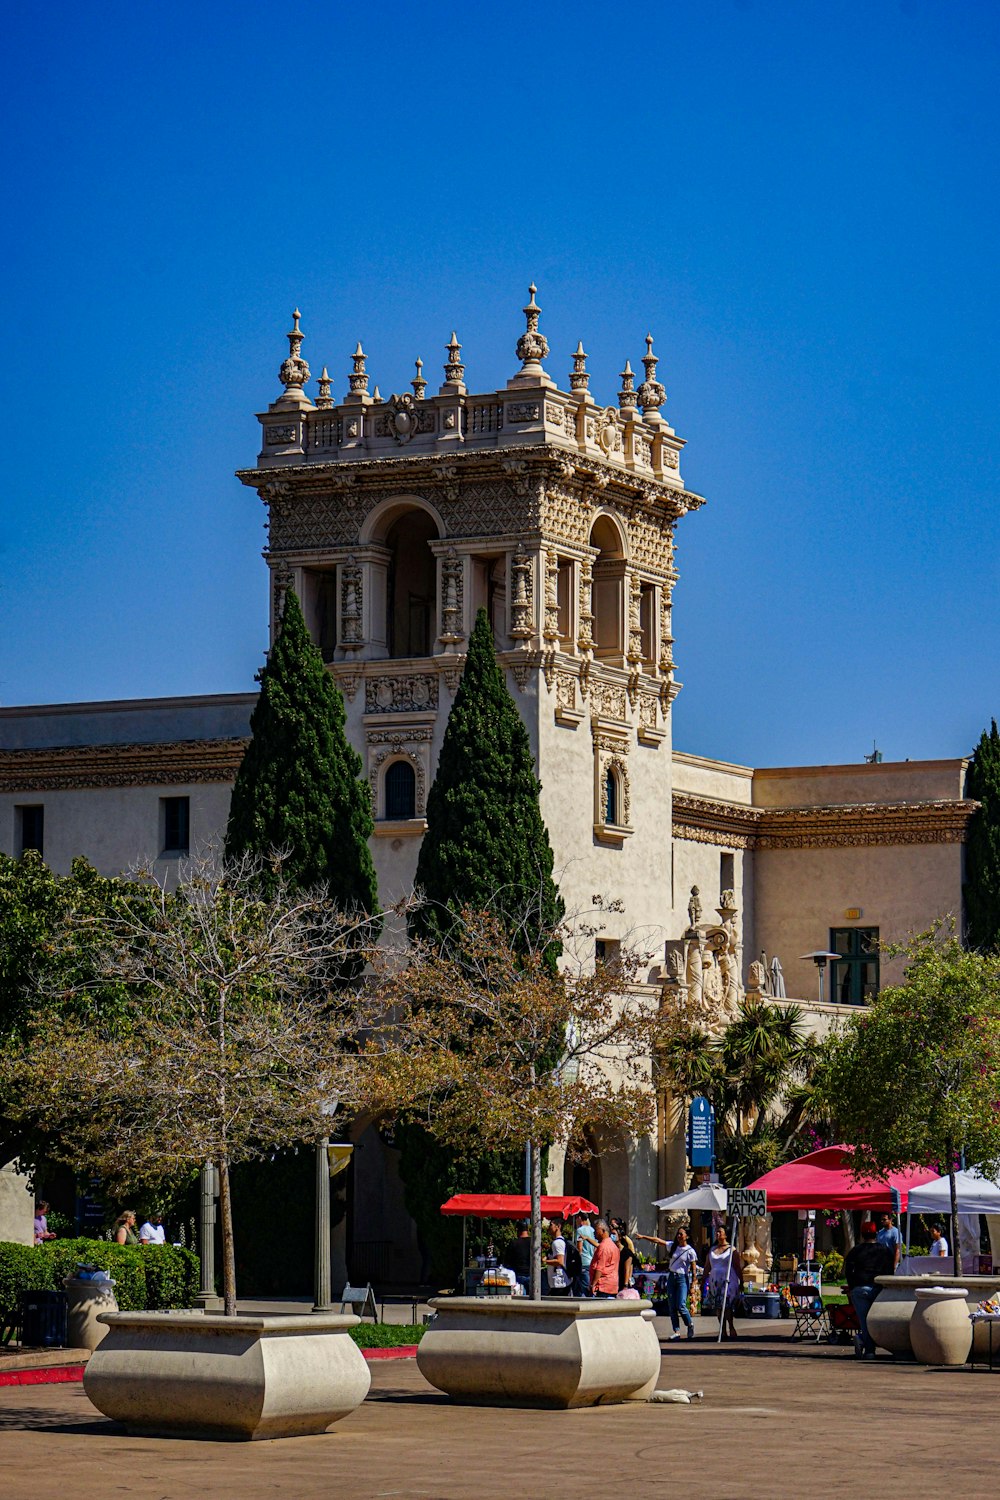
pixel 516 1206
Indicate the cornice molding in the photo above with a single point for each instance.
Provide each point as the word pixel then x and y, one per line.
pixel 169 763
pixel 703 820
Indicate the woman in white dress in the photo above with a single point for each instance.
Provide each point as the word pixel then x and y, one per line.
pixel 723 1278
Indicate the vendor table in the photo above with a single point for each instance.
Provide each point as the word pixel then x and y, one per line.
pixel 989 1319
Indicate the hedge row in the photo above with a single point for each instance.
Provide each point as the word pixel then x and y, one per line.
pixel 387 1335
pixel 146 1277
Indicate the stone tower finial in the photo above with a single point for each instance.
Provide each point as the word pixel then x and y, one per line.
pixel 294 372
pixel 454 370
pixel 532 346
pixel 324 398
pixel 418 382
pixel 358 378
pixel 626 396
pixel 377 398
pixel 651 394
pixel 579 380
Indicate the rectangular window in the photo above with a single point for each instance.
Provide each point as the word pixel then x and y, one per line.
pixel 854 976
pixel 727 872
pixel 175 820
pixel 564 599
pixel 647 620
pixel 30 828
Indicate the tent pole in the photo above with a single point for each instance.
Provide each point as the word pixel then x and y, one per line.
pixel 735 1223
pixel 461 1279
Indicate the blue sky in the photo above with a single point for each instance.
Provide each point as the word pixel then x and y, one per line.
pixel 798 199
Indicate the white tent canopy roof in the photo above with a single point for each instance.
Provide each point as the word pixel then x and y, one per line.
pixel 711 1197
pixel 976 1195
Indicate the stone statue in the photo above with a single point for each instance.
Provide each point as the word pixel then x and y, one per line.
pixel 675 965
pixel 757 978
pixel 727 901
pixel 694 907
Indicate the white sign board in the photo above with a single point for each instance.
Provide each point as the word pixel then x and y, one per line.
pixel 748 1203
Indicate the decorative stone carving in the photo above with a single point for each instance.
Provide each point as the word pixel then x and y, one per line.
pixel 282 583
pixel 411 694
pixel 671 458
pixel 447 476
pixel 550 630
pixel 632 687
pixel 585 639
pixel 348 682
pixel 520 672
pixel 523 411
pixel 324 400
pixel 532 346
pixel 400 419
pixel 520 596
pixel 651 393
pixel 454 370
pixel 648 711
pixel 358 378
pixel 627 396
pixel 666 638
pixel 607 699
pixel 566 690
pixel 694 908
pixel 408 743
pixel 607 433
pixel 350 604
pixel 579 380
pixel 619 765
pixel 634 652
pixel 517 468
pixel 169 763
pixel 452 674
pixel 452 596
pixel 275 434
pixel 418 382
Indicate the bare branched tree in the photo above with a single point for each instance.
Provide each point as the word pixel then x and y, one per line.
pixel 499 1049
pixel 239 1035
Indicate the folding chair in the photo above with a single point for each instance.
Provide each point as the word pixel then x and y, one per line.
pixel 811 1320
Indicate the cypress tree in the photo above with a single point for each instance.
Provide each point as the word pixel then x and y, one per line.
pixel 486 844
pixel 982 851
pixel 298 786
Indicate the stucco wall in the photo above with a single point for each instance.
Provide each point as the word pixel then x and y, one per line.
pixel 801 893
pixel 891 781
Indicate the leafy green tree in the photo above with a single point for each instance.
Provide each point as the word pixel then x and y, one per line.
pixel 40 975
pixel 982 851
pixel 299 788
pixel 486 846
pixel 915 1076
pixel 758 1076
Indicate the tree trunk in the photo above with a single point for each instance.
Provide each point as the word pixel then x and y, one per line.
pixel 956 1252
pixel 228 1255
pixel 536 1220
pixel 847 1225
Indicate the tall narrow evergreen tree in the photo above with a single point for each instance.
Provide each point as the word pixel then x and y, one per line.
pixel 982 851
pixel 298 788
pixel 486 843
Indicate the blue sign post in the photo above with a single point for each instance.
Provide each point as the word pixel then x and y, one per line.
pixel 701 1132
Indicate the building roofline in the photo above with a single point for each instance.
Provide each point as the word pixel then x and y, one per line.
pixel 119 705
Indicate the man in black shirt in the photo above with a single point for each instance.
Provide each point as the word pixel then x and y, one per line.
pixel 864 1262
pixel 519 1255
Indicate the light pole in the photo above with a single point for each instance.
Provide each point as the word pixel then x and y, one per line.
pixel 821 958
pixel 322 1270
pixel 207 1299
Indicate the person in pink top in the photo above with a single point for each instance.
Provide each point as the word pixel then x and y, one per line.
pixel 604 1265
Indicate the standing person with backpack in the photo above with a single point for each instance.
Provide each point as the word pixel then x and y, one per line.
pixel 586 1243
pixel 556 1263
pixel 628 1259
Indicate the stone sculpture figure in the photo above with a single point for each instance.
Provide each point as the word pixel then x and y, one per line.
pixel 694 908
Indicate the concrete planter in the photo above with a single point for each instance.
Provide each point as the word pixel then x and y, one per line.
pixel 87 1300
pixel 200 1375
pixel 556 1353
pixel 940 1331
pixel 889 1319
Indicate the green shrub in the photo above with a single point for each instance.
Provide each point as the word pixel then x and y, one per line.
pixel 833 1266
pixel 145 1277
pixel 387 1335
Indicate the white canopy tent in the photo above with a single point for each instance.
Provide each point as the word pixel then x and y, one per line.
pixel 976 1195
pixel 710 1197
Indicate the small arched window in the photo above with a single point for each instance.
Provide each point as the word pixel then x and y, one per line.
pixel 611 797
pixel 400 791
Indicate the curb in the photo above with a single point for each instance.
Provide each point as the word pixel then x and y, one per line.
pixel 51 1375
pixel 401 1351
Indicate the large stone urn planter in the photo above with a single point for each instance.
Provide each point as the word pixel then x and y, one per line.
pixel 889 1319
pixel 509 1351
pixel 201 1375
pixel 940 1330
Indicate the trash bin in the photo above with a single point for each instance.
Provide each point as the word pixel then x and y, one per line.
pixel 90 1292
pixel 43 1320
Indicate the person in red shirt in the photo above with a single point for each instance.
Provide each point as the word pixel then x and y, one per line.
pixel 604 1265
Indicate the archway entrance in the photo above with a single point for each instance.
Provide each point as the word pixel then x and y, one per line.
pixel 411 604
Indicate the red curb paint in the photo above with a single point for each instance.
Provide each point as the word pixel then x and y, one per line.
pixel 401 1351
pixel 54 1375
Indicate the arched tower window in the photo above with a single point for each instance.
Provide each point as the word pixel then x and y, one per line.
pixel 411 604
pixel 608 588
pixel 400 791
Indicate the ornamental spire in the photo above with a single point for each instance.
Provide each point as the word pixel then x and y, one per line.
pixel 418 382
pixel 626 396
pixel 651 394
pixel 454 370
pixel 324 398
pixel 532 348
pixel 358 379
pixel 579 380
pixel 294 372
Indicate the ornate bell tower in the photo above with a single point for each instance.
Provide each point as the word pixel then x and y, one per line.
pixel 396 520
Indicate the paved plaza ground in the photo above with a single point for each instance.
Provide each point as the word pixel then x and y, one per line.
pixel 778 1419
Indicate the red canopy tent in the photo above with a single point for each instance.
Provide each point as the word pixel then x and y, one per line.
pixel 516 1206
pixel 823 1180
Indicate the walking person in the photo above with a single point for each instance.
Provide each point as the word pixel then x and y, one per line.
pixel 125 1228
pixel 863 1263
pixel 939 1245
pixel 723 1279
pixel 681 1262
pixel 586 1243
pixel 556 1263
pixel 890 1236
